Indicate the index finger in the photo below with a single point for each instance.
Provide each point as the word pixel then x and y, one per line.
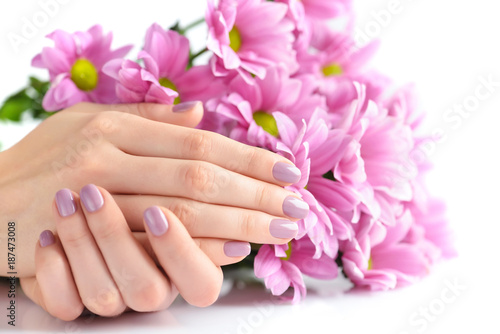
pixel 154 139
pixel 185 114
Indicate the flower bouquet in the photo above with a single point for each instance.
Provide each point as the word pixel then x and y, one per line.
pixel 287 76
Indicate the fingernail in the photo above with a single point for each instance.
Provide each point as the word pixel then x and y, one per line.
pixel 295 207
pixel 286 172
pixel 46 238
pixel 91 198
pixel 236 248
pixel 65 203
pixel 185 106
pixel 156 220
pixel 282 228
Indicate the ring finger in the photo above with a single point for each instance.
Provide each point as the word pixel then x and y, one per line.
pixel 212 221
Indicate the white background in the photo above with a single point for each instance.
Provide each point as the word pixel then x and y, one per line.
pixel 445 47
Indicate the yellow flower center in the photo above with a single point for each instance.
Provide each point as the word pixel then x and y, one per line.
pixel 288 252
pixel 169 84
pixel 370 264
pixel 84 75
pixel 267 122
pixel 332 69
pixel 235 39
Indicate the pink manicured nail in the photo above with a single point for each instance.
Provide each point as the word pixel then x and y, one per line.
pixel 46 238
pixel 295 207
pixel 65 203
pixel 236 248
pixel 156 220
pixel 282 228
pixel 286 172
pixel 91 198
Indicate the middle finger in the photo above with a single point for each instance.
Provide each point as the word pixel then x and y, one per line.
pixel 204 182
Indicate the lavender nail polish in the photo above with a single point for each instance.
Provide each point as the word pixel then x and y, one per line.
pixel 91 198
pixel 295 207
pixel 46 238
pixel 282 228
pixel 236 248
pixel 286 172
pixel 185 106
pixel 156 220
pixel 65 202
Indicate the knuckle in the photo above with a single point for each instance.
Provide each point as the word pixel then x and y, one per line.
pixel 73 238
pixel 108 303
pixel 199 177
pixel 247 224
pixel 186 214
pixel 199 144
pixel 104 122
pixel 252 158
pixel 105 229
pixel 262 196
pixel 143 109
pixel 150 296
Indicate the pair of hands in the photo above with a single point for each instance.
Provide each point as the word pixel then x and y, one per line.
pixel 105 255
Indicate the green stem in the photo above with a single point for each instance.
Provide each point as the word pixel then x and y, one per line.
pixel 196 55
pixel 182 31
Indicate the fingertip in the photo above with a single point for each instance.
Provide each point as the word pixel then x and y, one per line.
pixel 286 172
pixel 156 220
pixel 237 249
pixel 189 113
pixel 65 202
pixel 46 238
pixel 92 198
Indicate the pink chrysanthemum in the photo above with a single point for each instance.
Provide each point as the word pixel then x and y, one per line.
pixel 282 266
pixel 164 77
pixel 247 109
pixel 75 68
pixel 315 149
pixel 247 36
pixel 379 259
pixel 283 78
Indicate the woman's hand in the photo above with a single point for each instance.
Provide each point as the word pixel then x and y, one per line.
pixel 217 187
pixel 96 262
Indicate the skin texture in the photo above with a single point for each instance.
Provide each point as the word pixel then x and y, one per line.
pixel 143 155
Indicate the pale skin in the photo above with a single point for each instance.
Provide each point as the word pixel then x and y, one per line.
pixel 139 156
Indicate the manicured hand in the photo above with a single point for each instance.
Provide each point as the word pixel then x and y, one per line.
pixel 147 155
pixel 95 261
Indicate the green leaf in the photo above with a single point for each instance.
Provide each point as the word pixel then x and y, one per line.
pixel 41 87
pixel 14 106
